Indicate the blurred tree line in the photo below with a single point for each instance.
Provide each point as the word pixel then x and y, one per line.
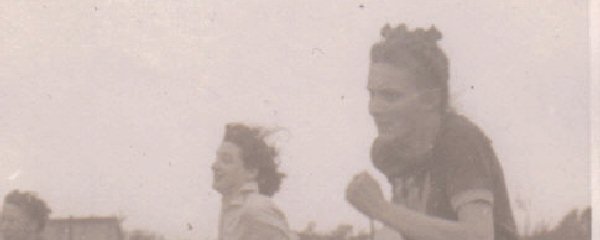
pixel 342 232
pixel 576 225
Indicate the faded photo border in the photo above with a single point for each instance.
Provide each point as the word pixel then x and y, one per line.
pixel 164 112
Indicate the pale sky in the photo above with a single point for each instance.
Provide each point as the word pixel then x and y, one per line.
pixel 117 107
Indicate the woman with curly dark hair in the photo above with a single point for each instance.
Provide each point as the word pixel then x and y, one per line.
pixel 246 175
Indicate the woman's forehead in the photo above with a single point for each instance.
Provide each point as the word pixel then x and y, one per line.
pixel 388 76
pixel 228 147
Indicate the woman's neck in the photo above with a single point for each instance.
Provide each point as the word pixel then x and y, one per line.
pixel 237 191
pixel 427 131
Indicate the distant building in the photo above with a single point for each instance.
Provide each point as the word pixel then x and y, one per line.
pixel 84 228
pixel 144 235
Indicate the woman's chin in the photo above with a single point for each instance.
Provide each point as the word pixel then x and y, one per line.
pixel 217 187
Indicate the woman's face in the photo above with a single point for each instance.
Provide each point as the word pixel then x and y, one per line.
pixel 229 172
pixel 393 100
pixel 400 110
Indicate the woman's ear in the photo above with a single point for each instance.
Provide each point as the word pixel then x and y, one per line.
pixel 251 174
pixel 431 100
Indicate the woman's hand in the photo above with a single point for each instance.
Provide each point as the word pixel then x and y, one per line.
pixel 365 194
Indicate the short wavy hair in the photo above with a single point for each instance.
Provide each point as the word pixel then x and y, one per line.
pixel 34 207
pixel 256 154
pixel 416 51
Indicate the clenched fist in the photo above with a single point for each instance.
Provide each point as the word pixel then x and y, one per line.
pixel 365 194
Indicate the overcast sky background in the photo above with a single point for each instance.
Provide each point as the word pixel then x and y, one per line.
pixel 117 107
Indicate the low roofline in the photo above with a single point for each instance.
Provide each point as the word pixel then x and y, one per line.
pixel 90 218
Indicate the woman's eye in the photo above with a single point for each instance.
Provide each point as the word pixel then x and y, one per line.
pixel 391 96
pixel 225 160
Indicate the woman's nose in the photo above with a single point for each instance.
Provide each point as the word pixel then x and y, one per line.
pixel 376 106
pixel 215 166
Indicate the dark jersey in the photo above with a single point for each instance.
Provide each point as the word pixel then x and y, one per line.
pixel 463 168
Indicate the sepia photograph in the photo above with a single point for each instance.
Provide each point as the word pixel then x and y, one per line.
pixel 298 120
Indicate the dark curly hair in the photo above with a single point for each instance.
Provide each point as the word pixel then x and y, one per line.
pixel 33 206
pixel 256 154
pixel 416 51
